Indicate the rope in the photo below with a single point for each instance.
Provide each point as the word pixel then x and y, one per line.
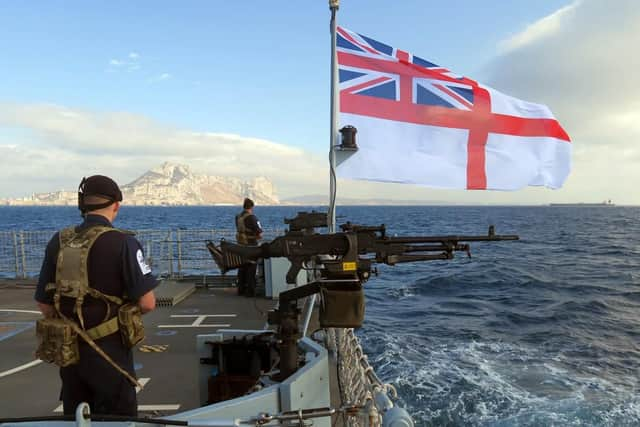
pixel 357 379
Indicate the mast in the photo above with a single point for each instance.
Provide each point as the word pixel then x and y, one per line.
pixel 333 140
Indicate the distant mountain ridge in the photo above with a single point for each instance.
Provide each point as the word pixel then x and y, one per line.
pixel 173 184
pixel 176 184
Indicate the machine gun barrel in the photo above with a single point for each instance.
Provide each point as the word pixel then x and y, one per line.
pixel 434 248
pixel 436 239
pixel 490 237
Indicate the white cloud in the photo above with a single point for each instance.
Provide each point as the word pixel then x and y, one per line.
pixel 545 27
pixel 581 62
pixel 160 78
pixel 129 63
pixel 68 144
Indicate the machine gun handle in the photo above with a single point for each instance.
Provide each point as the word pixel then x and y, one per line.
pixel 292 273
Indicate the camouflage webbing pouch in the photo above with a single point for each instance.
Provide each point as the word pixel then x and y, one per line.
pixel 131 326
pixel 341 308
pixel 57 342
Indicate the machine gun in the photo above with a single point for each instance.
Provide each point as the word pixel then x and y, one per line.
pixel 353 250
pixel 343 261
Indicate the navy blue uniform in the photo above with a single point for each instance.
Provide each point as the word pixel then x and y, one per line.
pixel 116 267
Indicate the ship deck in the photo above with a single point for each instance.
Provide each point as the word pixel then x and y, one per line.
pixel 166 362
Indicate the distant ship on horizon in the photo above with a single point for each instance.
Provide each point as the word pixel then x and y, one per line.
pixel 603 203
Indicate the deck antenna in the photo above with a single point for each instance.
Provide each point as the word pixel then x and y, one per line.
pixel 333 142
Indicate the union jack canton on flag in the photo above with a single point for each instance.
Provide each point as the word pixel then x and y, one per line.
pixel 419 123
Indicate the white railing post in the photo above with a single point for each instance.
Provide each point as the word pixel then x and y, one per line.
pixel 15 253
pixel 170 252
pixel 24 258
pixel 179 241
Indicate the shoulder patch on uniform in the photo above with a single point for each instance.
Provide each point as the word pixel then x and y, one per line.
pixel 144 267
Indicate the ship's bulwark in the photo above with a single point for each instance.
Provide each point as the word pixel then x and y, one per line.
pixel 528 333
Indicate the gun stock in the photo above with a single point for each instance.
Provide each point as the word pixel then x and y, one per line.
pixel 230 256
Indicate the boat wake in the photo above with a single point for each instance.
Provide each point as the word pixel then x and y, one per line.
pixel 498 384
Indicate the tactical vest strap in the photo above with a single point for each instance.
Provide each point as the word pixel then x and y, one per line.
pixel 99 295
pixel 98 350
pixel 104 329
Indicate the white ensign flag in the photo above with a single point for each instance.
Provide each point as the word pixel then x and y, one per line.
pixel 418 123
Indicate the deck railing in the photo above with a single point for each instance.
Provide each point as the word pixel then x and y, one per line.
pixel 171 253
pixel 359 384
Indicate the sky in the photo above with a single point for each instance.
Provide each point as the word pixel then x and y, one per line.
pixel 242 88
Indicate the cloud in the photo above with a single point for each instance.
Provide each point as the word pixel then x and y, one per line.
pixel 545 27
pixel 581 62
pixel 160 78
pixel 583 65
pixel 129 63
pixel 69 143
pixel 132 62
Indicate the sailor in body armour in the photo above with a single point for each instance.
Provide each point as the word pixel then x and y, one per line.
pixel 249 231
pixel 94 285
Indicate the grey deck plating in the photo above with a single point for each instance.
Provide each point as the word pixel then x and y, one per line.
pixel 166 361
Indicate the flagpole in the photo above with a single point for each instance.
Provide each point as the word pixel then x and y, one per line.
pixel 333 140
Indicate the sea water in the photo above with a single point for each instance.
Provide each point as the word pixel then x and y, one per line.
pixel 537 332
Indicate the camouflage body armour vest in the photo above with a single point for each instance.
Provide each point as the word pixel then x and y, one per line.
pixel 58 336
pixel 244 235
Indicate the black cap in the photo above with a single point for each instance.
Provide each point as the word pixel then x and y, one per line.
pixel 248 203
pixel 98 185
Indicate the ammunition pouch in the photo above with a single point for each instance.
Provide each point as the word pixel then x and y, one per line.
pixel 341 308
pixel 57 342
pixel 131 326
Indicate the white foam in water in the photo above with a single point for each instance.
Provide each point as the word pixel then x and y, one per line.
pixel 402 291
pixel 477 383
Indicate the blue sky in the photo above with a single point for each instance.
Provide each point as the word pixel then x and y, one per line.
pixel 246 69
pixel 237 67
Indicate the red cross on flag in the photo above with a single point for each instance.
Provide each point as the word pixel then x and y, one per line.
pixel 419 123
